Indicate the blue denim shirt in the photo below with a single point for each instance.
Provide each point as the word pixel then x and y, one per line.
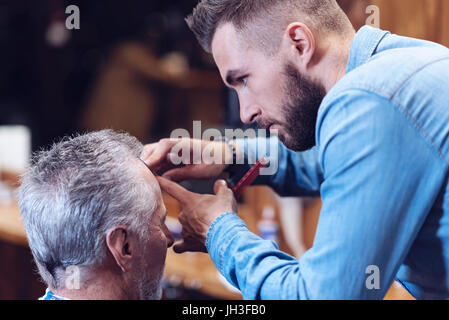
pixel 381 167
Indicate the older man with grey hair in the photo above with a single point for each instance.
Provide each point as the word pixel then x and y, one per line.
pixel 94 218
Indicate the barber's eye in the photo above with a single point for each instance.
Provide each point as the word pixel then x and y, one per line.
pixel 243 80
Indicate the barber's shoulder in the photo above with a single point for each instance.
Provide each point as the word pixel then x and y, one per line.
pixel 348 96
pixel 379 78
pixel 348 109
pixel 387 71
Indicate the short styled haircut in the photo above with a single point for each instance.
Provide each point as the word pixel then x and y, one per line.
pixel 264 20
pixel 75 192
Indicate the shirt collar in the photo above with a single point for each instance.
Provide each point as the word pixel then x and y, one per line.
pixel 50 296
pixel 364 45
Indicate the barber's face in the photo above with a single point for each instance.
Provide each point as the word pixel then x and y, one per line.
pixel 271 91
pixel 154 249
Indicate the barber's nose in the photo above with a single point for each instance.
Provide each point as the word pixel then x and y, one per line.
pixel 249 112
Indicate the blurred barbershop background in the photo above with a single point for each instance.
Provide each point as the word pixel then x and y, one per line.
pixel 135 66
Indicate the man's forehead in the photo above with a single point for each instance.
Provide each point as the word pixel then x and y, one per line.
pixel 149 176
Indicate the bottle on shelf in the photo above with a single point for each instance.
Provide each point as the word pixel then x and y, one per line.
pixel 268 226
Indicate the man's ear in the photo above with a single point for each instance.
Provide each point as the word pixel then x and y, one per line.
pixel 119 244
pixel 301 44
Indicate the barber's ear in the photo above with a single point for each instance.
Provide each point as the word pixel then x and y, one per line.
pixel 119 243
pixel 301 44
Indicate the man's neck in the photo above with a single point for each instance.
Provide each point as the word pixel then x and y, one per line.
pixel 104 286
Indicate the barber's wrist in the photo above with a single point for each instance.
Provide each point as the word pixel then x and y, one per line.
pixel 214 223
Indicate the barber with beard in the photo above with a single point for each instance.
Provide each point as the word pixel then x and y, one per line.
pixel 364 123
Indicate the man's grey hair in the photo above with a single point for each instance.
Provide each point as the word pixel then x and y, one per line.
pixel 75 192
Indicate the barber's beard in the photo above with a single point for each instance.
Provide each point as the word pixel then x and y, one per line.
pixel 300 109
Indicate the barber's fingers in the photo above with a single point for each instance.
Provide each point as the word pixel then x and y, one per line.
pixel 164 166
pixel 181 194
pixel 147 151
pixel 180 247
pixel 154 154
pixel 221 188
pixel 189 246
pixel 186 173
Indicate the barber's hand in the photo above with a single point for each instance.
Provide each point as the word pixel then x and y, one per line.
pixel 198 212
pixel 158 156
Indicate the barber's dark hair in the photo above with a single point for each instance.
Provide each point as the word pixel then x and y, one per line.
pixel 249 15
